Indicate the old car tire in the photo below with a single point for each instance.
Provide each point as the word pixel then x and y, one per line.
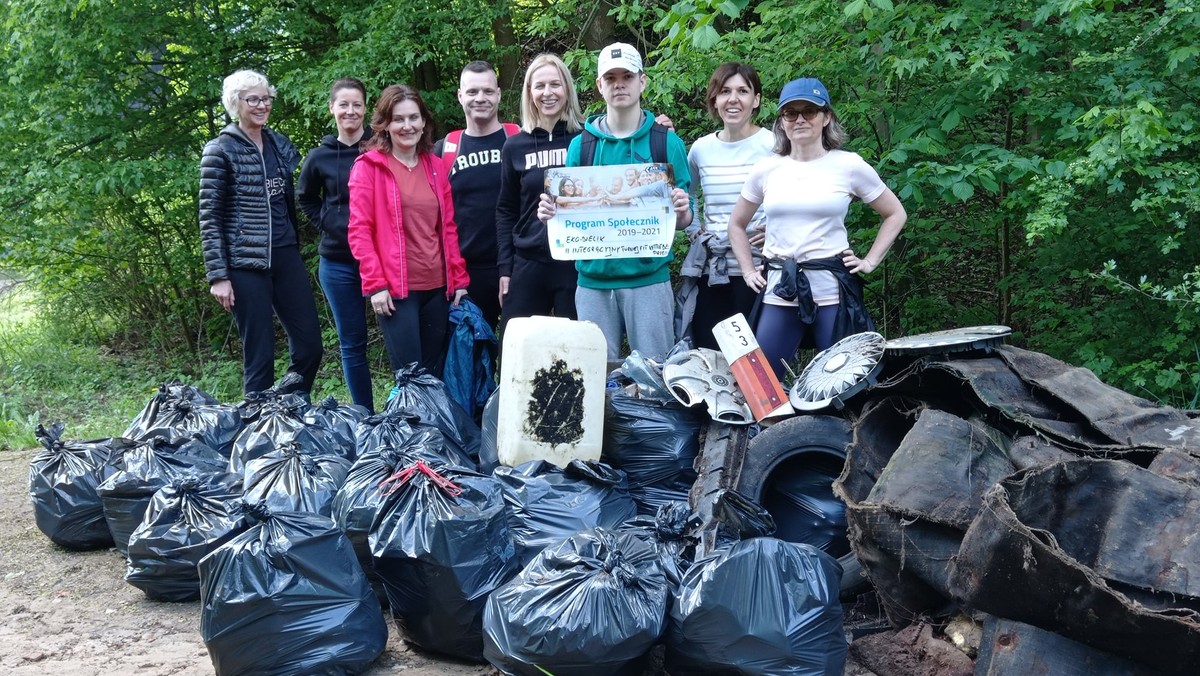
pixel 816 446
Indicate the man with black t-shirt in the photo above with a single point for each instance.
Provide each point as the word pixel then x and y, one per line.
pixel 472 158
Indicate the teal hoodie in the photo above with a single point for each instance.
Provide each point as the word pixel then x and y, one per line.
pixel 628 273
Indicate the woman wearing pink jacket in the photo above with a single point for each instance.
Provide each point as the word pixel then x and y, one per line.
pixel 402 231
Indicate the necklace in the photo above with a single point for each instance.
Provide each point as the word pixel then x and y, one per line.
pixel 404 162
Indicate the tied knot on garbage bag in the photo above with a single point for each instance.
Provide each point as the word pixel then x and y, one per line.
pixel 256 512
pixel 615 564
pixel 419 467
pixel 189 483
pixel 51 439
pixel 739 518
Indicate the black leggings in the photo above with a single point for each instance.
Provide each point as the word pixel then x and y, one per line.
pixel 715 304
pixel 537 288
pixel 286 290
pixel 416 331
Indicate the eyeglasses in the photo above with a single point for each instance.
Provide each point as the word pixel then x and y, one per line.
pixel 790 114
pixel 256 101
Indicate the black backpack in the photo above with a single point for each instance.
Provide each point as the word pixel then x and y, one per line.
pixel 658 146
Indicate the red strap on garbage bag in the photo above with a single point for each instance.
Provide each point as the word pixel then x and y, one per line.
pixel 404 475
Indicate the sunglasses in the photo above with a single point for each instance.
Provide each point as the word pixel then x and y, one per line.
pixel 808 113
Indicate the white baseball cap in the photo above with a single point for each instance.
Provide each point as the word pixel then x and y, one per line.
pixel 619 55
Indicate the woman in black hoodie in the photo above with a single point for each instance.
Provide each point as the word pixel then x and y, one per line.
pixel 325 200
pixel 531 282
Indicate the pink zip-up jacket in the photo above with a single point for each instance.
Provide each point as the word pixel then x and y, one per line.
pixel 376 232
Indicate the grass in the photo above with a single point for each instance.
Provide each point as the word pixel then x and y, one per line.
pixel 46 375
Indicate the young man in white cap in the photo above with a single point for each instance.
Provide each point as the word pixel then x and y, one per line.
pixel 628 297
pixel 472 158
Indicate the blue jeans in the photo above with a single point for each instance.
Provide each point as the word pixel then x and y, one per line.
pixel 343 290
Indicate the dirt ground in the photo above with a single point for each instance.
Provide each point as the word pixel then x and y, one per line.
pixel 73 613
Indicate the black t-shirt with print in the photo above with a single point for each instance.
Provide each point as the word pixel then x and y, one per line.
pixel 475 184
pixel 283 231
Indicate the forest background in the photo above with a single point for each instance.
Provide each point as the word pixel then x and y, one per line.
pixel 1046 152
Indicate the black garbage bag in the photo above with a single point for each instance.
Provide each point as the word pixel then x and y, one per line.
pixel 489 452
pixel 286 388
pixel 217 425
pixel 393 428
pixel 340 420
pixel 419 391
pixel 289 479
pixel 186 519
pixel 62 486
pixel 596 603
pixel 359 500
pixel 168 393
pixel 800 495
pixel 280 422
pixel 756 604
pixel 142 469
pixel 441 545
pixel 547 503
pixel 672 534
pixel 287 597
pixel 655 443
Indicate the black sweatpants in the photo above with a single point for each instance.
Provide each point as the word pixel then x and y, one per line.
pixel 285 292
pixel 538 288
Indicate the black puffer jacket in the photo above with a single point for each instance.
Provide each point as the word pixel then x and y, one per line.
pixel 235 215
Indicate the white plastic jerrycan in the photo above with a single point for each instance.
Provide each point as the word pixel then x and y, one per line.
pixel 552 378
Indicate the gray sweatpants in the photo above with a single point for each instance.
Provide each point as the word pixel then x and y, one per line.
pixel 644 313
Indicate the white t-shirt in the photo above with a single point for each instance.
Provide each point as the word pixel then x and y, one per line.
pixel 806 205
pixel 719 169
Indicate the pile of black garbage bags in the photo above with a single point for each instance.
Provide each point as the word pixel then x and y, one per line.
pixel 301 528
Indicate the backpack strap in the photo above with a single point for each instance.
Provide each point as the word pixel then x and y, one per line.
pixel 658 144
pixel 450 149
pixel 587 148
pixel 454 138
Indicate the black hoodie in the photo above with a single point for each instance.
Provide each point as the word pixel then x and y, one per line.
pixel 323 195
pixel 523 164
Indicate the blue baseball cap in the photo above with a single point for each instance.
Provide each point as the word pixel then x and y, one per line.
pixel 804 89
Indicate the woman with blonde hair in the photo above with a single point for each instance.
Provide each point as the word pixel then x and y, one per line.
pixel 248 235
pixel 531 281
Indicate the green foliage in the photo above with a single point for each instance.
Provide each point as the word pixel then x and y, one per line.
pixel 1031 144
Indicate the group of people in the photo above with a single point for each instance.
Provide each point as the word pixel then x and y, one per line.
pixel 413 226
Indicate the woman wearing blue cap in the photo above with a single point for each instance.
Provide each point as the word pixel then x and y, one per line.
pixel 812 291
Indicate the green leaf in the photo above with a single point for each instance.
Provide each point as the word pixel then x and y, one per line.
pixel 951 120
pixel 962 190
pixel 705 38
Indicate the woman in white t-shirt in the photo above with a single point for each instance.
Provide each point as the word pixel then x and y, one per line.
pixel 719 163
pixel 812 290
